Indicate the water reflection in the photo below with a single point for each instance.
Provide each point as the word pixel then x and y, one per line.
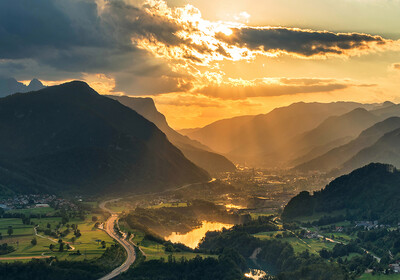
pixel 256 274
pixel 193 238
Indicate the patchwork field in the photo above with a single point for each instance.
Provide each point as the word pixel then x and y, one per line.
pixel 299 245
pixel 369 276
pixel 88 243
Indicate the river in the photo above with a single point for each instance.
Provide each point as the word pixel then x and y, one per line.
pixel 193 238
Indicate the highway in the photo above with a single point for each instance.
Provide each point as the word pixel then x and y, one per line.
pixel 129 248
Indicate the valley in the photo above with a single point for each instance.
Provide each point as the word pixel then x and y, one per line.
pixel 134 205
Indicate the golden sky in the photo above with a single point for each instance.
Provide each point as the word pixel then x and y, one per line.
pixel 206 60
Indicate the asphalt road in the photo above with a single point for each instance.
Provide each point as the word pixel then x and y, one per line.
pixel 130 249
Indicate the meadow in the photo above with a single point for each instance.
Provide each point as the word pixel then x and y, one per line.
pixel 88 243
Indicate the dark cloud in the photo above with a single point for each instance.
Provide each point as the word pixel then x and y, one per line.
pixel 299 41
pixel 59 39
pixel 71 37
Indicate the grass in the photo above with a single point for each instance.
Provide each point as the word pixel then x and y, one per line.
pixel 86 244
pixel 263 214
pixel 299 245
pixel 19 229
pixel 369 276
pixel 34 211
pixel 181 204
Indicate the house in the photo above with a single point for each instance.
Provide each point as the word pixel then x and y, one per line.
pixel 42 205
pixel 395 267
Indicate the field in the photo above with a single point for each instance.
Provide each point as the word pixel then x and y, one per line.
pixel 183 204
pixel 369 276
pixel 34 211
pixel 299 245
pixel 23 234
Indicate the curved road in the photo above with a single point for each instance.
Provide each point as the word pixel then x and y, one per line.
pixel 130 249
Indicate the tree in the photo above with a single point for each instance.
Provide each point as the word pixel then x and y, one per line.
pixel 61 248
pixel 1 236
pixel 94 218
pixel 51 247
pixel 34 241
pixel 103 244
pixel 48 225
pixel 10 230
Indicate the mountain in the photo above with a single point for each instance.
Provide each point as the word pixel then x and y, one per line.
pixel 251 139
pixel 198 153
pixel 336 157
pixel 368 193
pixel 68 138
pixel 386 150
pixel 10 85
pixel 333 132
pixel 388 110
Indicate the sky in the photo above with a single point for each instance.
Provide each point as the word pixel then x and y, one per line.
pixel 203 60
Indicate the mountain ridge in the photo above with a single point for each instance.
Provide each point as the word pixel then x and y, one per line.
pixel 70 137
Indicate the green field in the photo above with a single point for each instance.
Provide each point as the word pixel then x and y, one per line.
pixel 299 245
pixel 369 276
pixel 34 211
pixel 182 204
pixel 18 228
pixel 87 244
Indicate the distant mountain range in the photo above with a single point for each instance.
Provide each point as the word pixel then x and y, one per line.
pixel 68 138
pixel 10 85
pixel 198 153
pixel 288 136
pixel 368 193
pixel 337 157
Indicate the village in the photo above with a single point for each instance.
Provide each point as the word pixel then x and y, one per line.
pixel 28 201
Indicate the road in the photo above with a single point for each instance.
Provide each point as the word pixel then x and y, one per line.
pixel 129 248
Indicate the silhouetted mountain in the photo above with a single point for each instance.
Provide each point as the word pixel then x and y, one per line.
pixel 390 110
pixel 193 150
pixel 10 85
pixel 385 150
pixel 252 139
pixel 333 132
pixel 68 138
pixel 368 193
pixel 335 158
pixel 35 85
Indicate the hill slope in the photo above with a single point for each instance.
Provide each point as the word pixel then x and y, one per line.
pixel 198 153
pixel 336 157
pixel 386 150
pixel 333 132
pixel 69 138
pixel 251 138
pixel 368 193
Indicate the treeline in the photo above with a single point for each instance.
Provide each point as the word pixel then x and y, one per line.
pixel 381 242
pixel 166 220
pixel 290 265
pixel 6 249
pixel 228 266
pixel 368 193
